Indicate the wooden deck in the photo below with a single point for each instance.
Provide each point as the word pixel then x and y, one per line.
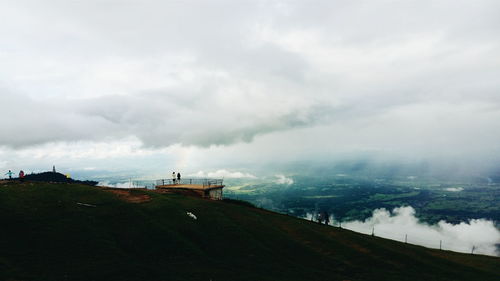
pixel 213 192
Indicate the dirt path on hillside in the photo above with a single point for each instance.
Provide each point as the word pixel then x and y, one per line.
pixel 129 196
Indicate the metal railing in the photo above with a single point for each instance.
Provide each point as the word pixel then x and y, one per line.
pixel 203 182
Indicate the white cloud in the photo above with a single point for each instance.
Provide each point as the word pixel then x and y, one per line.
pixel 222 174
pixel 282 179
pixel 89 168
pixel 478 233
pixel 116 185
pixel 454 189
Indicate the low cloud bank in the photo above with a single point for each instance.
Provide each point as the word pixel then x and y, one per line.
pixel 478 234
pixel 117 185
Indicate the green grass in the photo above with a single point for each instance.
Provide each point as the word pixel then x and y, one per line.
pixel 46 235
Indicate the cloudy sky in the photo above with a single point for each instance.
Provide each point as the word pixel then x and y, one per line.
pixel 156 86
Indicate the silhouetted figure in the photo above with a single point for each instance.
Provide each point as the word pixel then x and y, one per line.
pixel 53 169
pixel 323 217
pixel 179 178
pixel 173 177
pixel 9 173
pixel 21 175
pixel 319 218
pixel 326 218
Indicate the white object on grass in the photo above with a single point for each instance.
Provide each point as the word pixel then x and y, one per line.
pixel 192 215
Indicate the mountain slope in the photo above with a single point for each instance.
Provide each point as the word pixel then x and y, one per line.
pixel 76 232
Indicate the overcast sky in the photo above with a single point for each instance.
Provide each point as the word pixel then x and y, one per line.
pixel 209 85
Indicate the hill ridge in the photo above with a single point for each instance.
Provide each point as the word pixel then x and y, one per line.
pixel 48 236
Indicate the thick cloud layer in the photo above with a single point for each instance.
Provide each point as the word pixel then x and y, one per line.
pixel 477 235
pixel 223 72
pixel 214 85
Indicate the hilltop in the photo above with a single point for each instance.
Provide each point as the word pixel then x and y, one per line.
pixel 55 177
pixel 64 231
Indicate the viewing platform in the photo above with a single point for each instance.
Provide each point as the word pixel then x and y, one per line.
pixel 206 188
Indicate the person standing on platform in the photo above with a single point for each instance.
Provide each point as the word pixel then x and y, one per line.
pixel 178 178
pixel 173 177
pixel 9 173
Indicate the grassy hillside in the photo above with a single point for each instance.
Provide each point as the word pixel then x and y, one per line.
pixel 46 235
